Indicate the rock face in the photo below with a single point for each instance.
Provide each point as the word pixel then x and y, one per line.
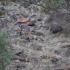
pixel 37 42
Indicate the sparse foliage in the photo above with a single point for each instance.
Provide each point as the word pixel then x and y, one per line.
pixel 53 5
pixel 48 5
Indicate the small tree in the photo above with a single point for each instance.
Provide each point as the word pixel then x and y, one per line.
pixel 4 52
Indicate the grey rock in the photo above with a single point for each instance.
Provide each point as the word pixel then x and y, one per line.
pixel 67 53
pixel 62 68
pixel 18 52
pixel 21 65
pixel 37 47
pixel 38 33
pixel 55 28
pixel 57 65
pixel 56 58
pixel 25 27
pixel 16 27
pixel 14 17
pixel 18 57
pixel 2 9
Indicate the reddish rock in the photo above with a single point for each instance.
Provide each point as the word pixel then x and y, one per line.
pixel 17 61
pixel 23 20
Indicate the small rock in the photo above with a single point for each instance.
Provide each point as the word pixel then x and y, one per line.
pixel 31 38
pixel 66 46
pixel 25 13
pixel 24 27
pixel 46 18
pixel 30 23
pixel 62 68
pixel 35 37
pixel 27 38
pixel 16 27
pixel 18 57
pixel 67 53
pixel 34 60
pixel 49 55
pixel 39 48
pixel 56 58
pixel 33 19
pixel 21 65
pixel 17 61
pixel 21 58
pixel 27 59
pixel 2 9
pixel 32 15
pixel 56 28
pixel 19 52
pixel 3 22
pixel 53 60
pixel 39 19
pixel 39 33
pixel 57 65
pixel 25 41
pixel 13 17
pixel 44 57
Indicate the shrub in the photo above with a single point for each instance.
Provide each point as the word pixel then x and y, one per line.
pixel 4 53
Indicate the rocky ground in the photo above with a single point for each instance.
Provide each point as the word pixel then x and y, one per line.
pixel 38 42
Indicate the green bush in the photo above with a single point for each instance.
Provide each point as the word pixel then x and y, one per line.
pixel 4 51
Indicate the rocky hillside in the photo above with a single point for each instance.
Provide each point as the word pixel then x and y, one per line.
pixel 40 41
